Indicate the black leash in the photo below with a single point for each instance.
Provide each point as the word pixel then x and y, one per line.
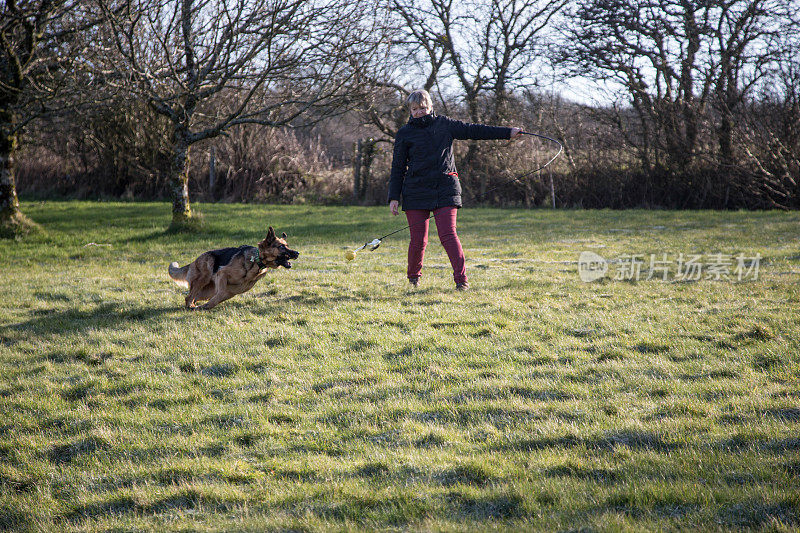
pixel 377 242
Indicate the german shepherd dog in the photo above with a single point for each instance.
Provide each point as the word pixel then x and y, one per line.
pixel 221 274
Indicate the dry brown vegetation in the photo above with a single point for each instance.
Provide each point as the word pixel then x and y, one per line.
pixel 704 110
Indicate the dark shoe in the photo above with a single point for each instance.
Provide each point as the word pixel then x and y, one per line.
pixel 462 286
pixel 414 282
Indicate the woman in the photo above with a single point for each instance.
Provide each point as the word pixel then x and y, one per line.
pixel 424 174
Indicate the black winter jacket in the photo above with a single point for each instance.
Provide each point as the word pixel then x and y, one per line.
pixel 423 168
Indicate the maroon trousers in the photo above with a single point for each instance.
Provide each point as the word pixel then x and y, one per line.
pixel 446 227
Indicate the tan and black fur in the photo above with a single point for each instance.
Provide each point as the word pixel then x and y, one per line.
pixel 218 275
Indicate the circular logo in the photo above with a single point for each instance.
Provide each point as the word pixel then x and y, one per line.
pixel 591 266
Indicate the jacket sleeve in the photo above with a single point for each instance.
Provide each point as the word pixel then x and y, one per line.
pixel 399 166
pixel 464 130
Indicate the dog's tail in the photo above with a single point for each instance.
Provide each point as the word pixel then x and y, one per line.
pixel 178 274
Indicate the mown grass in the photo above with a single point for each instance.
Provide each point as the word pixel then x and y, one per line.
pixel 333 397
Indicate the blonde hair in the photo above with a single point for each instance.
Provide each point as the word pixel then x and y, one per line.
pixel 421 97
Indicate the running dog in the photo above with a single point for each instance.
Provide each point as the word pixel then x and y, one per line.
pixel 221 274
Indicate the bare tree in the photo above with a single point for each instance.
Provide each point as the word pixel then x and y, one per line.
pixel 677 61
pixel 412 58
pixel 769 129
pixel 281 61
pixel 41 45
pixel 746 35
pixel 490 47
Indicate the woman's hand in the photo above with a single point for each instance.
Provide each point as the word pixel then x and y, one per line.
pixel 393 207
pixel 515 133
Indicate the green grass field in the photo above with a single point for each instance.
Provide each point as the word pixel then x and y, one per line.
pixel 334 397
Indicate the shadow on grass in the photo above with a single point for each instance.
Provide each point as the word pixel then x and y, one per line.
pixel 107 315
pixel 65 453
pixel 160 235
pixel 632 439
pixel 191 236
pixel 13 518
pixel 51 322
pixel 183 500
pixel 491 506
pixel 114 506
pixel 756 514
pixel 309 233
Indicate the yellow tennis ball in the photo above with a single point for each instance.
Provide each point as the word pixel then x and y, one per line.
pixel 350 255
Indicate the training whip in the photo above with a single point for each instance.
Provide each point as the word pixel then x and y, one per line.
pixel 373 245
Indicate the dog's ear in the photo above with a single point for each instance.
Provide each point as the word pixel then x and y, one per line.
pixel 284 235
pixel 270 235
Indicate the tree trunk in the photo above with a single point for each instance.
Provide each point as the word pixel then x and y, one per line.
pixel 356 171
pixel 725 134
pixel 212 174
pixel 12 222
pixel 179 183
pixel 368 154
pixel 472 148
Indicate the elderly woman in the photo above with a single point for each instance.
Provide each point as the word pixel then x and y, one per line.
pixel 424 175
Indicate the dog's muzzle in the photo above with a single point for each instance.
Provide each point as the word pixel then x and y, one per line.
pixel 283 259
